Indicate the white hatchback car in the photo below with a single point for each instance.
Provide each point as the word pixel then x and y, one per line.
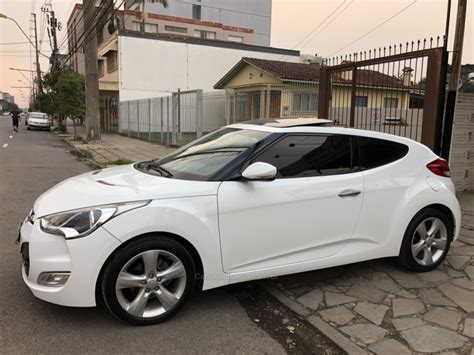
pixel 38 120
pixel 248 201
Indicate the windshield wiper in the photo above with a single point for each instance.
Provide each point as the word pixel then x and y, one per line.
pixel 158 168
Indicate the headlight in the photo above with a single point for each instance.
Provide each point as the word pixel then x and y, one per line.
pixel 81 222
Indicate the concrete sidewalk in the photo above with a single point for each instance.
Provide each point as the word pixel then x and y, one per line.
pixel 113 147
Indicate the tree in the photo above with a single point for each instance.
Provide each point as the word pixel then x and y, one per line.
pixel 69 96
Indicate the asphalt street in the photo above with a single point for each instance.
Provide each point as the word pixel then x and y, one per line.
pixel 213 322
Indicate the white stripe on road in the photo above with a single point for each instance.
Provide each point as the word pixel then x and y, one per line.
pixel 5 145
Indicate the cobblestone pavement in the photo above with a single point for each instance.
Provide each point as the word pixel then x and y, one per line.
pixel 382 308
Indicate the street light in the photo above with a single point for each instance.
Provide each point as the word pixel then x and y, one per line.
pixel 21 29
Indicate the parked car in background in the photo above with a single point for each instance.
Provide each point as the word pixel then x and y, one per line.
pixel 38 120
pixel 248 201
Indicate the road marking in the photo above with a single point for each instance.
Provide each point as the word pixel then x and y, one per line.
pixel 10 137
pixel 5 145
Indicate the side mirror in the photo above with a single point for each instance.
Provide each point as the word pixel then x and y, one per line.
pixel 260 171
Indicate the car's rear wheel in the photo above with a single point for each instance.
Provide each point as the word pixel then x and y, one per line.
pixel 426 241
pixel 149 280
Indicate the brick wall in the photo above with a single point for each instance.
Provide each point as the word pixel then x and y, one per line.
pixel 462 147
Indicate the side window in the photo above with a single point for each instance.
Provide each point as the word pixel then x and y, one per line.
pixel 377 152
pixel 309 155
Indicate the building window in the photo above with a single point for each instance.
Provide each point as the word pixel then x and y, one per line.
pixel 390 102
pixel 304 102
pixel 176 29
pixel 197 12
pixel 204 34
pixel 361 101
pixel 151 27
pixel 111 61
pixel 101 67
pixel 241 107
pixel 238 39
pixel 137 26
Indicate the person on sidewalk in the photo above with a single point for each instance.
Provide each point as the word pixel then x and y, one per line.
pixel 15 113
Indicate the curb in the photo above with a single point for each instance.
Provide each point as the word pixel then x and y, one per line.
pixel 80 154
pixel 322 326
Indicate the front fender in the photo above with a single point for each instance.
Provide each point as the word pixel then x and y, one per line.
pixel 192 218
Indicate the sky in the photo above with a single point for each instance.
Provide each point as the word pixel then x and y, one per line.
pixel 292 21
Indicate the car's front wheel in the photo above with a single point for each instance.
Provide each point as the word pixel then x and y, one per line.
pixel 149 280
pixel 426 241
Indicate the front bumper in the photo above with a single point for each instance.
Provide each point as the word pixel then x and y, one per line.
pixel 82 258
pixel 39 125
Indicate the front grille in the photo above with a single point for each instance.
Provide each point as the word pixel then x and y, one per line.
pixel 25 255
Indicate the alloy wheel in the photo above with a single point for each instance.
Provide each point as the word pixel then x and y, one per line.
pixel 429 241
pixel 151 283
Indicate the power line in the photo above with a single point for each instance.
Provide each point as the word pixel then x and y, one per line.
pixel 327 24
pixel 14 43
pixel 87 37
pixel 319 25
pixel 76 26
pixel 223 9
pixel 373 29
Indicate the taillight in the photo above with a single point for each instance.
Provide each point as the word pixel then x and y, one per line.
pixel 439 167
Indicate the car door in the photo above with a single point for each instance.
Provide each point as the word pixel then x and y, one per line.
pixel 308 212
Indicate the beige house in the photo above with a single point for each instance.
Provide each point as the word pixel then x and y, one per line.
pixel 269 88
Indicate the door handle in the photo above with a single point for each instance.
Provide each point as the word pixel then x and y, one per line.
pixel 348 193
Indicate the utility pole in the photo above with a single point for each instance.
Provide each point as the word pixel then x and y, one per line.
pixel 454 78
pixel 38 69
pixel 54 55
pixel 54 24
pixel 92 77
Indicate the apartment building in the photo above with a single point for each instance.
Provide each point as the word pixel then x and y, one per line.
pixel 254 15
pixel 144 55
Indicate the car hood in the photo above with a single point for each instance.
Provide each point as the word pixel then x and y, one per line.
pixel 113 185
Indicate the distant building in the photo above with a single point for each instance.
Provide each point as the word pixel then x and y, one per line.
pixel 7 101
pixel 254 15
pixel 170 22
pixel 141 62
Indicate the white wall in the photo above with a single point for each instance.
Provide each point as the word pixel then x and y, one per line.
pixel 151 68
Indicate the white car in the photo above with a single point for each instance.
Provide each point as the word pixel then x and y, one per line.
pixel 38 120
pixel 248 201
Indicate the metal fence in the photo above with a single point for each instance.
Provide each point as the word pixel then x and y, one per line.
pixel 395 89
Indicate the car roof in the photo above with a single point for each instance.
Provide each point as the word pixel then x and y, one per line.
pixel 290 122
pixel 327 129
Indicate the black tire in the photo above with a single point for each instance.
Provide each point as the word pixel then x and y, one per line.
pixel 406 257
pixel 111 271
pixel 28 128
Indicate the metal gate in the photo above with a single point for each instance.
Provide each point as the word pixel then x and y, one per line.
pixel 395 89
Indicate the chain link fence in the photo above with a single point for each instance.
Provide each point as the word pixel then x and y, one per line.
pixel 183 116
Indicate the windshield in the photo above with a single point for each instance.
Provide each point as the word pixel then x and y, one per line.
pixel 38 115
pixel 204 157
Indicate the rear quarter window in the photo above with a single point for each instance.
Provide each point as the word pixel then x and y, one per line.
pixel 376 152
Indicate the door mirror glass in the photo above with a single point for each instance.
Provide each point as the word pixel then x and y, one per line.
pixel 260 171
